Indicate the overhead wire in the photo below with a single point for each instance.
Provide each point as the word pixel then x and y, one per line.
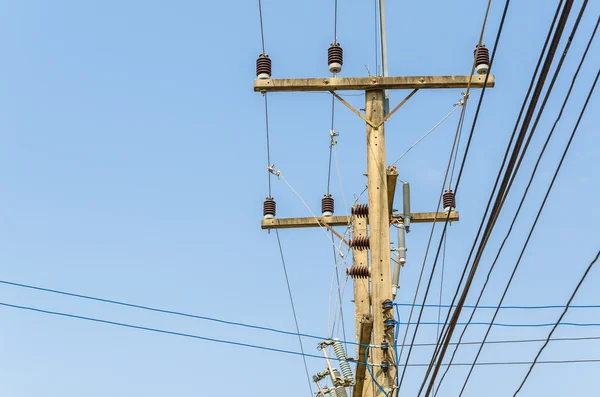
pixel 585 274
pixel 558 118
pixel 266 348
pixel 458 130
pixel 554 177
pixel 502 191
pixel 475 119
pixel 456 107
pixel 287 281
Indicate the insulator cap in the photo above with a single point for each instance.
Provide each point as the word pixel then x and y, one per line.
pixel 327 205
pixel 360 210
pixel 482 59
pixel 269 208
pixel 360 243
pixel 358 272
pixel 449 200
pixel 263 67
pixel 335 58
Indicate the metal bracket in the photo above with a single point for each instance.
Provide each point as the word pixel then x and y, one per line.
pixel 359 114
pixel 386 118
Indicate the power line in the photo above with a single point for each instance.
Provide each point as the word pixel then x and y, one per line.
pixel 262 31
pixel 287 281
pixel 540 307
pixel 531 85
pixel 502 192
pixel 458 131
pixel 173 333
pixel 535 222
pixel 557 322
pixel 567 96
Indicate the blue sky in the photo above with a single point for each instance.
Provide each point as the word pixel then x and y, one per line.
pixel 133 167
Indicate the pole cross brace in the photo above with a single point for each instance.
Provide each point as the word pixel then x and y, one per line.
pixel 386 118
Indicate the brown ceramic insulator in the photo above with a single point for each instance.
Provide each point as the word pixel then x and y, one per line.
pixel 269 207
pixel 449 200
pixel 335 54
pixel 360 243
pixel 360 272
pixel 327 204
pixel 263 65
pixel 482 56
pixel 360 210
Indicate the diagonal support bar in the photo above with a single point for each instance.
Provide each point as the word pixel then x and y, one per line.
pixel 386 118
pixel 359 114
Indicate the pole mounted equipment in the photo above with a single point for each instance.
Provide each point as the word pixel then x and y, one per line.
pixel 335 58
pixel 263 67
pixel 482 59
pixel 269 208
pixel 327 205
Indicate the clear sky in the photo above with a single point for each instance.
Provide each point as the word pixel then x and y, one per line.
pixel 133 167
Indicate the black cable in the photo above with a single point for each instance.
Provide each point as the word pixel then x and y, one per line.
pixel 293 310
pixel 425 259
pixel 535 361
pixel 441 286
pixel 469 140
pixel 502 190
pixel 262 31
pixel 532 229
pixel 567 96
pixel 531 85
pixel 335 14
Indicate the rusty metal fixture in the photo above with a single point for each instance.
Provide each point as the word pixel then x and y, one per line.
pixel 482 59
pixel 359 272
pixel 385 366
pixel 360 243
pixel 263 67
pixel 449 200
pixel 327 205
pixel 360 210
pixel 387 304
pixel 335 58
pixel 269 208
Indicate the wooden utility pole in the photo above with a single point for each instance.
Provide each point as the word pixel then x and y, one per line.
pixel 374 320
pixel 379 222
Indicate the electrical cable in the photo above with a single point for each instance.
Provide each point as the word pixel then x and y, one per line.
pixel 262 31
pixel 502 191
pixel 534 225
pixel 141 328
pixel 466 97
pixel 456 106
pixel 557 322
pixel 531 85
pixel 441 286
pixel 567 96
pixel 287 281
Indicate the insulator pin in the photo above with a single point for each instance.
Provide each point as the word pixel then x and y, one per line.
pixel 449 200
pixel 263 67
pixel 335 58
pixel 327 205
pixel 360 210
pixel 360 243
pixel 359 272
pixel 482 59
pixel 269 208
